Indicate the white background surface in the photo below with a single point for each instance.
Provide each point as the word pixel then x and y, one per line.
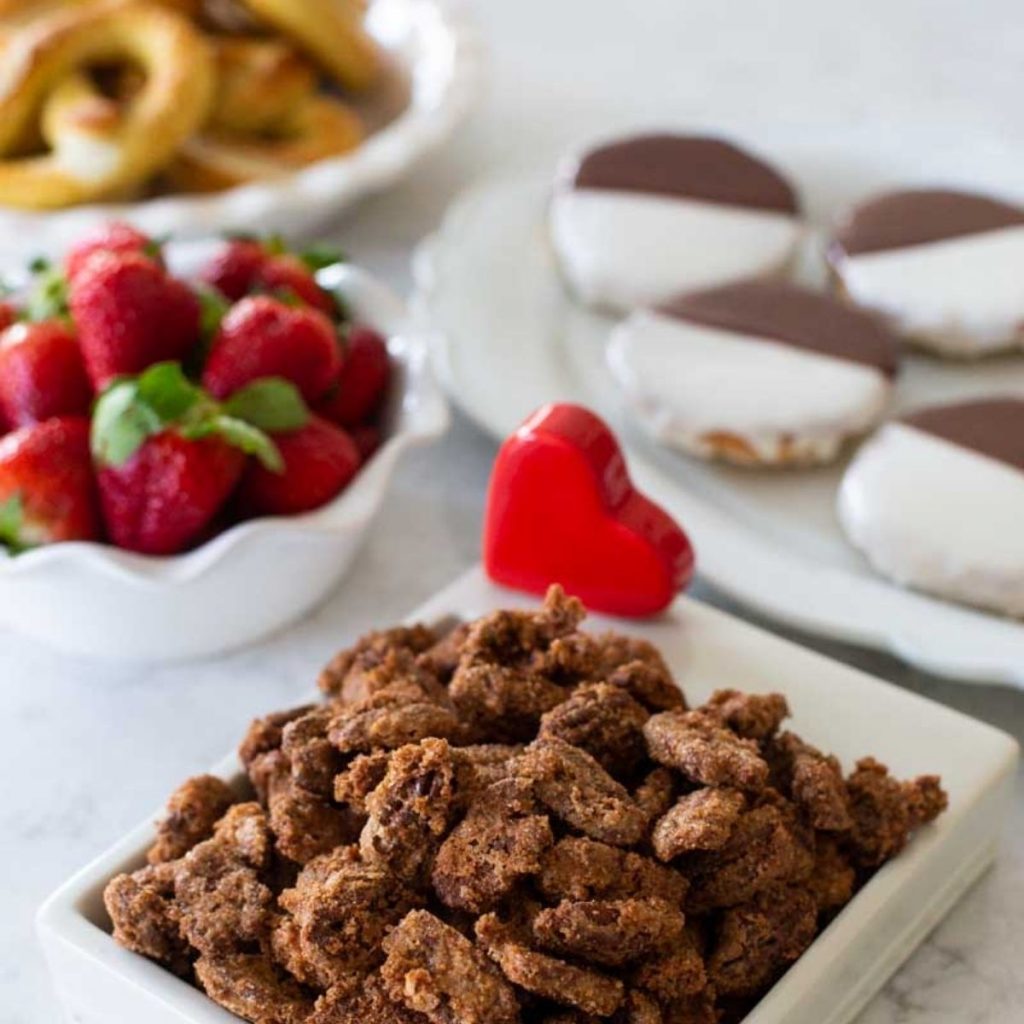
pixel 89 749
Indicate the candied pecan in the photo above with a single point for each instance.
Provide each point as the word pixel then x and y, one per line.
pixel 340 912
pixel 222 904
pixel 696 1009
pixel 314 761
pixel 360 778
pixel 755 716
pixel 252 987
pixel 639 1008
pixel 649 683
pixel 694 743
pixel 813 780
pixel 264 734
pixel 364 1003
pixel 442 658
pixel 435 970
pixel 491 762
pixel 701 820
pixel 306 825
pixel 192 811
pixel 584 869
pixel 604 721
pixel 426 785
pixel 767 846
pixel 145 920
pixel 885 811
pixel 500 841
pixel 833 879
pixel 756 940
pixel 244 831
pixel 608 932
pixel 500 688
pixel 656 793
pixel 580 792
pixel 389 719
pixel 546 976
pixel 674 974
pixel 266 772
pixel 352 673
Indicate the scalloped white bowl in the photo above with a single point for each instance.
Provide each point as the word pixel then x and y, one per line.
pixel 255 577
pixel 429 42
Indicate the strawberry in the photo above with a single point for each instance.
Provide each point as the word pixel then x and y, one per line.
pixel 41 374
pixel 364 379
pixel 262 337
pixel 8 315
pixel 319 461
pixel 246 265
pixel 47 488
pixel 233 269
pixel 367 440
pixel 130 313
pixel 114 237
pixel 168 456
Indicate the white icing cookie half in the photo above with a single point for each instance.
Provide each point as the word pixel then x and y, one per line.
pixel 760 373
pixel 944 267
pixel 640 220
pixel 936 502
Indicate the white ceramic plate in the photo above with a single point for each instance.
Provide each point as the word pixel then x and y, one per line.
pixel 432 52
pixel 256 576
pixel 509 339
pixel 834 706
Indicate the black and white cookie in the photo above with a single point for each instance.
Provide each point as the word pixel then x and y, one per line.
pixel 759 373
pixel 936 501
pixel 642 219
pixel 946 268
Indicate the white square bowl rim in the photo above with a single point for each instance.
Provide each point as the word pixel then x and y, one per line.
pixel 63 915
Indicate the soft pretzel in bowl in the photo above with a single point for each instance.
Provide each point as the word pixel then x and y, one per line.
pixel 111 153
pixel 330 31
pixel 318 128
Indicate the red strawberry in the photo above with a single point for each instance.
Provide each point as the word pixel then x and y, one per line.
pixel 161 499
pixel 130 313
pixel 244 266
pixel 288 273
pixel 262 337
pixel 233 269
pixel 114 237
pixel 47 488
pixel 367 440
pixel 319 461
pixel 364 379
pixel 8 315
pixel 168 457
pixel 41 374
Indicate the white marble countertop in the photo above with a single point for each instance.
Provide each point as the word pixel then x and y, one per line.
pixel 91 748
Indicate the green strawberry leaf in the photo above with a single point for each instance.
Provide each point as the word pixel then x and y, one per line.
pixel 270 403
pixel 121 423
pixel 167 391
pixel 12 519
pixel 48 294
pixel 319 256
pixel 212 309
pixel 239 434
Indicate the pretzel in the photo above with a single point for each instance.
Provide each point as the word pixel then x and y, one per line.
pixel 94 154
pixel 260 83
pixel 320 127
pixel 330 31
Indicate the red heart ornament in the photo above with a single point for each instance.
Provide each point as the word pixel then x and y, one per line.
pixel 561 508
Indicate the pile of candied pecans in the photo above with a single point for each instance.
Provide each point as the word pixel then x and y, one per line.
pixel 517 821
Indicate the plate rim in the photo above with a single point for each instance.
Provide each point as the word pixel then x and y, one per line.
pixel 975 647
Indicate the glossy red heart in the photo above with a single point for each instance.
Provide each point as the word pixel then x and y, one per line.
pixel 561 508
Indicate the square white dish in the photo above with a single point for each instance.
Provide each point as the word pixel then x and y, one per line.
pixel 770 539
pixel 834 706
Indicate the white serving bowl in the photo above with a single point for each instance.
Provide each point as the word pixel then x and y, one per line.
pixel 253 578
pixel 846 711
pixel 430 44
